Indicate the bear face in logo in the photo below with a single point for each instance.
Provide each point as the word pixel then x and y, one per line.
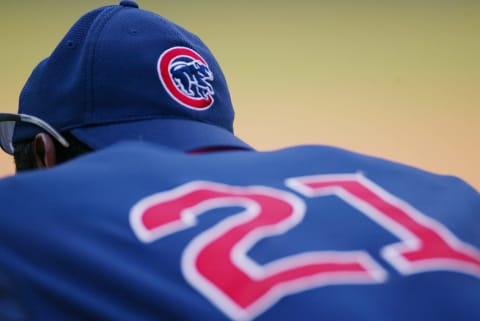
pixel 192 78
pixel 186 77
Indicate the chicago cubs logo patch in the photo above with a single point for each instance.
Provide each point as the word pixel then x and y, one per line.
pixel 186 77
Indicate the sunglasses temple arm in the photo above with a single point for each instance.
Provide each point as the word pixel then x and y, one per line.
pixel 49 129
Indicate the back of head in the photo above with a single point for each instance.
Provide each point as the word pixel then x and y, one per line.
pixel 123 73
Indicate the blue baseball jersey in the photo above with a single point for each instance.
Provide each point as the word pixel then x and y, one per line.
pixel 141 232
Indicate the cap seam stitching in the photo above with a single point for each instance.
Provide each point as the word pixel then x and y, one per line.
pixel 96 33
pixel 134 119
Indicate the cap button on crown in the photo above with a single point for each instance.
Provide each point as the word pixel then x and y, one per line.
pixel 128 3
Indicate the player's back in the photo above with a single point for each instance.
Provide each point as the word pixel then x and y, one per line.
pixel 138 232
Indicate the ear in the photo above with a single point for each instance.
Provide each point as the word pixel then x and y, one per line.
pixel 44 150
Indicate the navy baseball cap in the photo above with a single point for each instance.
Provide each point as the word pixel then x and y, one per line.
pixel 123 73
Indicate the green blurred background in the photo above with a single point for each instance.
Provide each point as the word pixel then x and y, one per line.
pixel 395 79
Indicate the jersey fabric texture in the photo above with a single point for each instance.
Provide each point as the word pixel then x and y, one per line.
pixel 141 232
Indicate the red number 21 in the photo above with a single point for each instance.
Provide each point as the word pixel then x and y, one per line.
pixel 217 265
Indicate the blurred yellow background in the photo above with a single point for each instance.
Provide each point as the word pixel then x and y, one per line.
pixel 394 79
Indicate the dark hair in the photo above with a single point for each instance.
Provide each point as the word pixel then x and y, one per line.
pixel 24 155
